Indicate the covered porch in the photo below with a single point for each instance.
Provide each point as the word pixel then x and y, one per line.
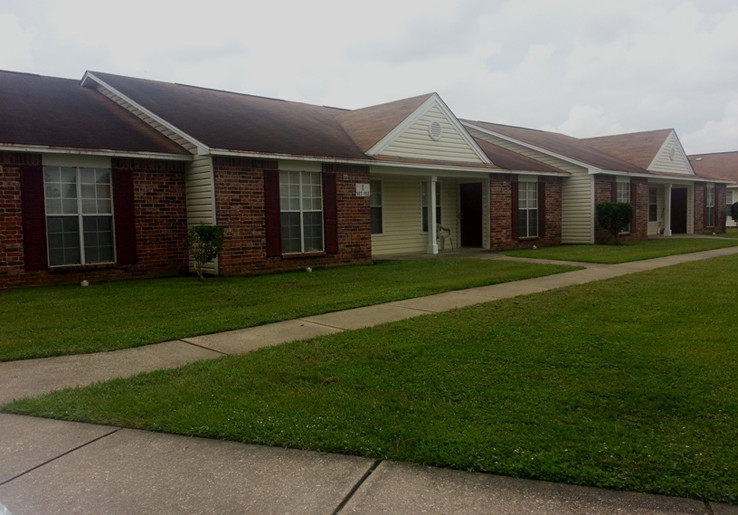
pixel 428 211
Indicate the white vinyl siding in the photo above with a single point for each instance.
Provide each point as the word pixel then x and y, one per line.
pixel 200 193
pixel 577 206
pixel 671 158
pixel 401 208
pixel 416 143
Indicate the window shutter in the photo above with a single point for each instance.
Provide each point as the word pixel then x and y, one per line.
pixel 124 217
pixel 33 215
pixel 514 200
pixel 330 212
pixel 706 217
pixel 541 209
pixel 614 191
pixel 633 198
pixel 272 215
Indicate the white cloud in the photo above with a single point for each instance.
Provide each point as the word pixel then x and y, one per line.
pixel 573 65
pixel 16 44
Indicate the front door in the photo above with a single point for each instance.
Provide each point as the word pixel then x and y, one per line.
pixel 679 210
pixel 470 197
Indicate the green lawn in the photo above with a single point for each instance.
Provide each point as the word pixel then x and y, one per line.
pixel 629 251
pixel 628 383
pixel 40 322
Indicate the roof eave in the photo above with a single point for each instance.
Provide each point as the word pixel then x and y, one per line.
pixel 43 149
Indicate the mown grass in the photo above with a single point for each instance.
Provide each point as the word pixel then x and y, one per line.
pixel 628 383
pixel 41 322
pixel 628 251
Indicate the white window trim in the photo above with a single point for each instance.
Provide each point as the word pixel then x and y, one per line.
pixel 529 180
pixel 301 210
pixel 380 206
pixel 67 163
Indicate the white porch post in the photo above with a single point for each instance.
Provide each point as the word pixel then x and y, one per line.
pixel 667 210
pixel 431 195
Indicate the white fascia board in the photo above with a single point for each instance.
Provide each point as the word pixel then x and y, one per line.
pixel 528 145
pixel 382 164
pixel 660 178
pixel 433 100
pixel 40 149
pixel 202 149
pixel 454 170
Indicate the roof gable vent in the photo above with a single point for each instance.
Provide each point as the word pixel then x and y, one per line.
pixel 435 130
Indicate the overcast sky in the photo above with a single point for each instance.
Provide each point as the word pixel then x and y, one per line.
pixel 581 67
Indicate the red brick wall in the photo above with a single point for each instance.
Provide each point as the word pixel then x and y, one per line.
pixel 603 193
pixel 240 209
pixel 501 229
pixel 700 226
pixel 160 214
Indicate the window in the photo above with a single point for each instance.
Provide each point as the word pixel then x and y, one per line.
pixel 710 205
pixel 653 209
pixel 301 211
pixel 527 209
pixel 424 203
pixel 623 195
pixel 375 206
pixel 79 215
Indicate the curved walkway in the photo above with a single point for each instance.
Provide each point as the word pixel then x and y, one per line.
pixel 49 466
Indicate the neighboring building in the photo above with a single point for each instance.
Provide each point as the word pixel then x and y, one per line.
pixel 100 179
pixel 721 166
pixel 649 170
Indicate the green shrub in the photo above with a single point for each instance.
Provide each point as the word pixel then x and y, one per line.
pixel 205 243
pixel 614 217
pixel 734 211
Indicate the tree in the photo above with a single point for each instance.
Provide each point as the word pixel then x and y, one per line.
pixel 205 243
pixel 614 217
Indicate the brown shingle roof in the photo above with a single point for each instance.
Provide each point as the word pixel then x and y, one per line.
pixel 369 125
pixel 638 148
pixel 53 112
pixel 561 144
pixel 233 121
pixel 720 166
pixel 509 160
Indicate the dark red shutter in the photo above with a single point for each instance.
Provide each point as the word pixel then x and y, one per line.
pixel 514 196
pixel 124 217
pixel 541 209
pixel 614 191
pixel 272 215
pixel 633 199
pixel 330 212
pixel 34 218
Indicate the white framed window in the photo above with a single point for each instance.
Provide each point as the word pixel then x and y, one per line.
pixel 376 206
pixel 527 209
pixel 653 207
pixel 424 194
pixel 623 196
pixel 301 211
pixel 79 215
pixel 710 205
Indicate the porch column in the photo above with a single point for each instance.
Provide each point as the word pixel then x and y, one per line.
pixel 432 222
pixel 667 210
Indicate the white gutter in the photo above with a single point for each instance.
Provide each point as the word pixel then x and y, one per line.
pixel 380 163
pixel 42 149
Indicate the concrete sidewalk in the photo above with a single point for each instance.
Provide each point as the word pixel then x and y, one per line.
pixel 49 466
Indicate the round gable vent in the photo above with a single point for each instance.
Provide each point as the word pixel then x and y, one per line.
pixel 434 131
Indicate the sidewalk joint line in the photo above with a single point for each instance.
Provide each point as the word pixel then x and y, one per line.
pixel 356 487
pixel 66 453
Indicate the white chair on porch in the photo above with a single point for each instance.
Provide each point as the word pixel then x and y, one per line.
pixel 443 234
